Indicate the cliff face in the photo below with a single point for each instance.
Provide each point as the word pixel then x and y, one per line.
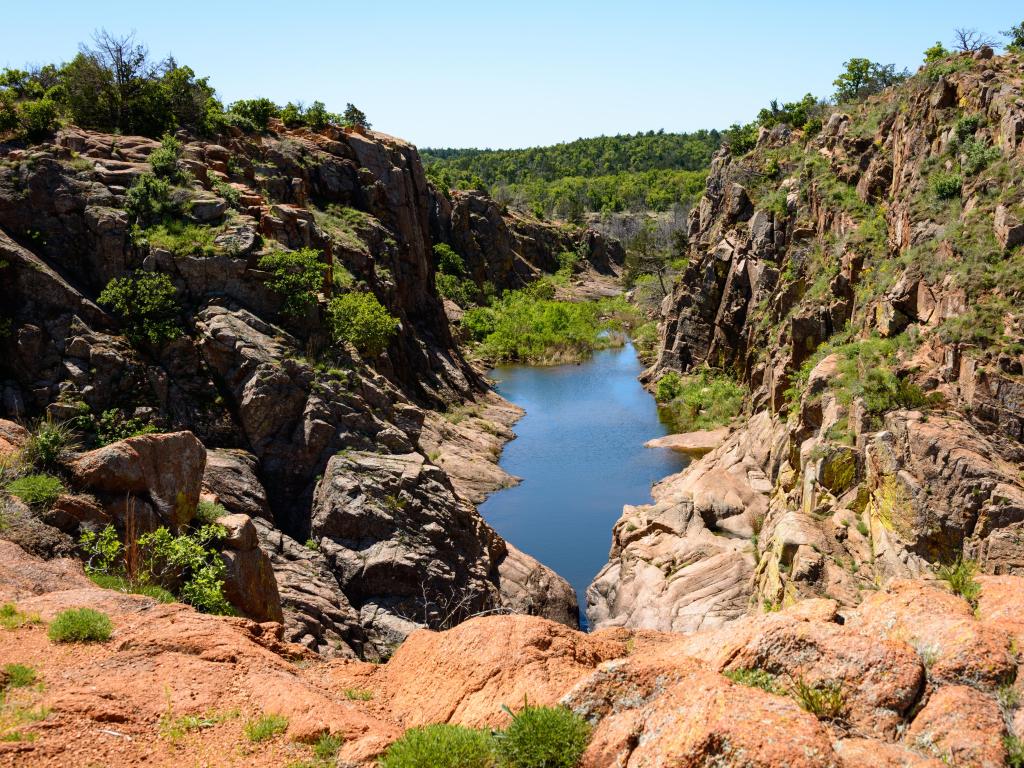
pixel 327 452
pixel 865 284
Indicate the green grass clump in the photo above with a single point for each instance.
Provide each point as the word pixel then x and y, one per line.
pixel 754 678
pixel 49 441
pixel 174 728
pixel 358 694
pixel 39 491
pixel 182 238
pixel 80 625
pixel 1014 751
pixel 960 578
pixel 19 676
pixel 12 618
pixel 327 746
pixel 441 746
pixel 129 587
pixel 826 701
pixel 265 727
pixel 543 737
pixel 700 401
pixel 209 512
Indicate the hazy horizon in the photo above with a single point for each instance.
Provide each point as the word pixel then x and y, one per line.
pixel 466 75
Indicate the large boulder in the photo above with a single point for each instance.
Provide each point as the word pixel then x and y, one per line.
pixel 166 470
pixel 961 726
pixel 249 581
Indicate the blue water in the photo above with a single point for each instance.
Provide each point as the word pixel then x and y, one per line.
pixel 580 453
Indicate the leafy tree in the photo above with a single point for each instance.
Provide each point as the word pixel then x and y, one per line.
pixel 644 257
pixel 355 117
pixel 863 78
pixel 296 276
pixel 149 199
pixel 257 111
pixel 360 319
pixel 797 114
pixel 38 118
pixel 936 53
pixel 318 117
pixel 740 139
pixel 146 303
pixel 164 159
pixel 1016 36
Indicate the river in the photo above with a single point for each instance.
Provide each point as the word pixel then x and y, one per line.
pixel 580 453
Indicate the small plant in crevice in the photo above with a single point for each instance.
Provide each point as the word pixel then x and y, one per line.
pixel 960 576
pixel 754 678
pixel 826 701
pixel 49 442
pixel 265 727
pixel 38 491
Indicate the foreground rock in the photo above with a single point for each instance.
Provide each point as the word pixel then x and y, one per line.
pixel 653 698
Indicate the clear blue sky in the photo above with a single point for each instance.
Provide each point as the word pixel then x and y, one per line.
pixel 513 74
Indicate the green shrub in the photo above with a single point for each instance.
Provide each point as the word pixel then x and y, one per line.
pixel 265 727
pixel 448 261
pixel 209 512
pixel 462 292
pixel 149 199
pixel 296 276
pixel 102 551
pixel 39 491
pixel 360 319
pixel 231 195
pixel 189 562
pixel 754 678
pixel 164 159
pixel 113 425
pixel 946 185
pixel 20 676
pixel 960 576
pixel 257 111
pixel 967 126
pixel 146 303
pixel 48 442
pixel 38 118
pixel 1014 751
pixel 543 737
pixel 976 156
pixel 703 400
pixel 80 625
pixel 440 746
pixel 8 112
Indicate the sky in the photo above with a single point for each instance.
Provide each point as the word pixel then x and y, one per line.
pixel 513 74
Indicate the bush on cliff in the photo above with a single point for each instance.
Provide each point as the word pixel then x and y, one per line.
pixel 39 491
pixel 146 304
pixel 149 199
pixel 296 276
pixel 441 746
pixel 257 111
pixel 361 320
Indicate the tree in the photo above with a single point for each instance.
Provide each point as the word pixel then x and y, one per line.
pixel 258 111
pixel 863 78
pixel 360 319
pixel 1016 35
pixel 645 257
pixel 355 118
pixel 971 40
pixel 936 53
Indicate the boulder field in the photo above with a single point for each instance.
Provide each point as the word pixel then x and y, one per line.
pixel 922 678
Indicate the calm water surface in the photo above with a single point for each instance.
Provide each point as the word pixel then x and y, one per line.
pixel 580 454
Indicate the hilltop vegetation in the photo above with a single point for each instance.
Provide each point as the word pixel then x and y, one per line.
pixel 643 171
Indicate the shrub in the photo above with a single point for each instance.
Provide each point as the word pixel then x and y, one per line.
pixel 448 261
pixel 113 425
pixel 265 727
pixel 358 694
pixel 80 625
pixel 699 401
pixel 543 737
pixel 48 443
pixel 164 159
pixel 8 112
pixel 38 491
pixel 440 746
pixel 209 512
pixel 462 292
pixel 976 156
pixel 946 185
pixel 826 701
pixel 149 199
pixel 188 560
pixel 360 319
pixel 146 303
pixel 1014 751
pixel 257 111
pixel 38 118
pixel 960 578
pixel 754 678
pixel 19 676
pixel 296 276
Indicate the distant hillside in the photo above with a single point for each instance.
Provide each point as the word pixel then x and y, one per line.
pixel 653 170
